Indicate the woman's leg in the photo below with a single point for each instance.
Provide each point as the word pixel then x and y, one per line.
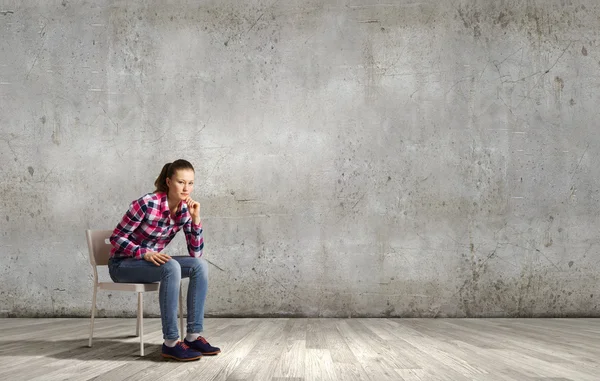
pixel 169 276
pixel 197 270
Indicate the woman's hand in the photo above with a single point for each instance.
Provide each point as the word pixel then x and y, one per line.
pixel 194 208
pixel 156 258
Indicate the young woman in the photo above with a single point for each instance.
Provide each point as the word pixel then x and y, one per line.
pixel 137 257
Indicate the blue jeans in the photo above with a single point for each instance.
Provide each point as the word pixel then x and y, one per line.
pixel 169 275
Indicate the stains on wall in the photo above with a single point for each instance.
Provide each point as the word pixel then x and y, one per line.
pixel 373 159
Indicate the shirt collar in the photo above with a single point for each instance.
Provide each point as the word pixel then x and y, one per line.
pixel 164 203
pixel 164 206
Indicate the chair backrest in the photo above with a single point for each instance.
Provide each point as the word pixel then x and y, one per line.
pixel 98 246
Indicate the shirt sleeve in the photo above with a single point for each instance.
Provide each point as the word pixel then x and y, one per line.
pixel 194 238
pixel 131 220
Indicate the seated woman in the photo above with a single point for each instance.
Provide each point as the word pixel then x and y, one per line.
pixel 137 257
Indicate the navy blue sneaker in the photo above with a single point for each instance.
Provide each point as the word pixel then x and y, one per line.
pixel 202 346
pixel 180 352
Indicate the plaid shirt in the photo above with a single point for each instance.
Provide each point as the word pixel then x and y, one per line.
pixel 148 226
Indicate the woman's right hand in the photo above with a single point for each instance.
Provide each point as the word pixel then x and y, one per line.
pixel 156 258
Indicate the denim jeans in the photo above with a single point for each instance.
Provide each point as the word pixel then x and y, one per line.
pixel 169 275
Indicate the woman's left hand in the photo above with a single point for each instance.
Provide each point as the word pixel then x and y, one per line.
pixel 194 208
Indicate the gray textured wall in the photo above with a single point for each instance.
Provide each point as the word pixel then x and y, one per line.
pixel 353 158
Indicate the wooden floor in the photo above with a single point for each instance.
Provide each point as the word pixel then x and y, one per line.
pixel 309 349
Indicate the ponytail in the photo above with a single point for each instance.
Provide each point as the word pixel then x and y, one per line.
pixel 161 181
pixel 168 170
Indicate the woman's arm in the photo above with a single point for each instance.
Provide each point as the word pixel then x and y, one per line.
pixel 131 220
pixel 193 229
pixel 194 238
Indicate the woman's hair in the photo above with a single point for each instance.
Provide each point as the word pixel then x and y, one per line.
pixel 168 171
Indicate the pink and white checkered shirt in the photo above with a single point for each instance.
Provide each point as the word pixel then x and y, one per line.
pixel 148 226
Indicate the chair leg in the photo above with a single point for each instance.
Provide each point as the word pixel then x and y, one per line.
pixel 137 323
pixel 93 313
pixel 141 322
pixel 181 310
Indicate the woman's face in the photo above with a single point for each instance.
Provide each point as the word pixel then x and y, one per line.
pixel 181 184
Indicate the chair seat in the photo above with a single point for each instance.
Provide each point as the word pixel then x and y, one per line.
pixel 137 287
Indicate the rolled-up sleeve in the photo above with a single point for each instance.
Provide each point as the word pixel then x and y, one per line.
pixel 194 238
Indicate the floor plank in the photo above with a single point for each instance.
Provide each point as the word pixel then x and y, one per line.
pixel 309 349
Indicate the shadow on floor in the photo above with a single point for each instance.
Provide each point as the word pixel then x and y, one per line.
pixel 114 349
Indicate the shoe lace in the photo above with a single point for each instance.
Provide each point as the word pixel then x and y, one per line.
pixel 183 345
pixel 202 340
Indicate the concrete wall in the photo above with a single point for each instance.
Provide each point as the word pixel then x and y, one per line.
pixel 353 158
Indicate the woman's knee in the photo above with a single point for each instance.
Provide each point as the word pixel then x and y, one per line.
pixel 171 267
pixel 200 266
